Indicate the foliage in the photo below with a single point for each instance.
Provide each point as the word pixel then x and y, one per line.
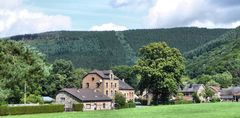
pixel 224 79
pixel 209 93
pixel 3 96
pixel 78 107
pixel 102 50
pixel 120 101
pixel 21 64
pixel 127 73
pixel 17 110
pixel 33 99
pixel 218 56
pixel 161 68
pixel 62 76
pixel 130 104
pixel 196 98
pixel 78 75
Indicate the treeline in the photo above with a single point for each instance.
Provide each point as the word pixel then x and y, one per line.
pixel 102 50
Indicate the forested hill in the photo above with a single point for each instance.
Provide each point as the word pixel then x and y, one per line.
pixel 218 56
pixel 102 50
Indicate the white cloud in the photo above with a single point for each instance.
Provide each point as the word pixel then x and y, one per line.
pixel 21 21
pixel 119 3
pixel 202 13
pixel 108 27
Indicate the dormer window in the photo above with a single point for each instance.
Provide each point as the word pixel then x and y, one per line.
pixel 111 76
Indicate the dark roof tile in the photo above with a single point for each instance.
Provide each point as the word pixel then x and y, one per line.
pixel 86 95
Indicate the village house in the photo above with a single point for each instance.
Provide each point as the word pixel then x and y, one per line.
pixel 97 92
pixel 230 94
pixel 189 89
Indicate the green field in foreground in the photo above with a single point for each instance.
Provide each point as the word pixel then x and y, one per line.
pixel 211 110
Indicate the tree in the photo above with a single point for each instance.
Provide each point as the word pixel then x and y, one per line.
pixel 161 68
pixel 33 99
pixel 3 96
pixel 120 101
pixel 21 64
pixel 224 79
pixel 62 76
pixel 127 73
pixel 78 75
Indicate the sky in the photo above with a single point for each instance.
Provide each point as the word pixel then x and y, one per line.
pixel 34 16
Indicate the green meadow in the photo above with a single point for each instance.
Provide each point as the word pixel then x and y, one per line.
pixel 210 110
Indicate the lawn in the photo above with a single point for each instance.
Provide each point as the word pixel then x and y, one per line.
pixel 211 110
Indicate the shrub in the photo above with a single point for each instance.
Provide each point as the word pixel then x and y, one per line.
pixel 196 98
pixel 78 107
pixel 3 110
pixel 214 99
pixel 120 101
pixel 17 110
pixel 130 104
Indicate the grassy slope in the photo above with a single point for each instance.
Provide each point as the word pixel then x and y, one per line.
pixel 103 50
pixel 213 110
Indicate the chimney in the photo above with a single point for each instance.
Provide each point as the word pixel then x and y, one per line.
pixel 123 80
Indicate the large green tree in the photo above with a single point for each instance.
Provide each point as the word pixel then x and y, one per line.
pixel 21 66
pixel 161 68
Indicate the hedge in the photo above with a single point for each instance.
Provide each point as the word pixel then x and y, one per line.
pixel 78 107
pixel 3 110
pixel 18 110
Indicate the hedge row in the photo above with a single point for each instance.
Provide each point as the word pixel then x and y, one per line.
pixel 77 107
pixel 17 110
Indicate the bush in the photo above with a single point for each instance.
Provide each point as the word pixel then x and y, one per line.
pixel 183 102
pixel 130 104
pixel 120 101
pixel 214 99
pixel 196 98
pixel 18 110
pixel 3 110
pixel 78 107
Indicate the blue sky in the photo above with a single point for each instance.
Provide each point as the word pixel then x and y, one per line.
pixel 86 13
pixel 33 16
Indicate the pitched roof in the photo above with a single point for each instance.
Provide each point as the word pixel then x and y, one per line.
pixel 124 86
pixel 86 95
pixel 103 73
pixel 190 88
pixel 230 91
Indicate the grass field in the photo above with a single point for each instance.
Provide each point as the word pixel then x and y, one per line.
pixel 211 110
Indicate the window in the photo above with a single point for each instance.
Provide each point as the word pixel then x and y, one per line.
pixel 98 85
pixel 111 76
pixel 87 85
pixel 92 78
pixel 104 105
pixel 115 85
pixel 106 85
pixel 88 106
pixel 111 93
pixel 62 99
pixel 111 85
pixel 107 92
